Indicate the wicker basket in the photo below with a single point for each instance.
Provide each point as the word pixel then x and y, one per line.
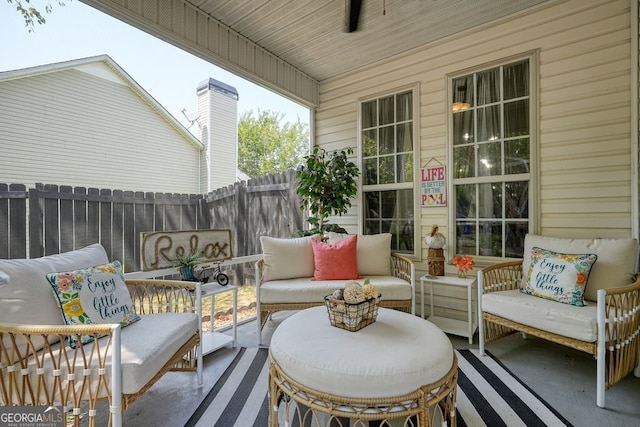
pixel 352 317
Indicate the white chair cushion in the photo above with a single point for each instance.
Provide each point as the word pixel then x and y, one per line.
pixel 385 359
pixel 373 252
pixel 286 258
pixel 551 316
pixel 303 290
pixel 617 261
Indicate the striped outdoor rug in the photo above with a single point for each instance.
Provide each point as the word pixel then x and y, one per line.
pixel 488 395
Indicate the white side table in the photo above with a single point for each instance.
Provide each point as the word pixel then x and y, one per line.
pixel 453 326
pixel 212 340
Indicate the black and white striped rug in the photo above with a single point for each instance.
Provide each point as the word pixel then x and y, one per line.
pixel 488 395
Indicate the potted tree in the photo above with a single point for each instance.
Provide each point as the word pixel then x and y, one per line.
pixel 186 263
pixel 326 184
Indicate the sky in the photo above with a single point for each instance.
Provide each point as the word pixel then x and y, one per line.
pixel 169 74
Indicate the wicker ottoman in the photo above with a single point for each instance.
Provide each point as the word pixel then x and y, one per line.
pixel 399 367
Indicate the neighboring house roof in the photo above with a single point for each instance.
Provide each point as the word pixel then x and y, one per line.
pixel 117 70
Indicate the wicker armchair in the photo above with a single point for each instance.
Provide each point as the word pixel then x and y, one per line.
pixel 618 324
pixel 38 367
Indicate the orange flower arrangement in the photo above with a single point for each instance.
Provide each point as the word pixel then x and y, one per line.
pixel 463 264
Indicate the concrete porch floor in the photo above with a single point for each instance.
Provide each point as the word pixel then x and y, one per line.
pixel 563 377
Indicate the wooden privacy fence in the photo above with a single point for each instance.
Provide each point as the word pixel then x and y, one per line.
pixel 50 219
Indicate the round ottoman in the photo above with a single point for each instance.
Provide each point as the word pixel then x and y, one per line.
pixel 398 367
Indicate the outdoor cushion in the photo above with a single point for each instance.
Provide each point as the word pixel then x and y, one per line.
pixel 561 319
pixel 305 290
pixel 333 261
pixel 286 258
pixel 617 259
pixel 146 345
pixel 373 252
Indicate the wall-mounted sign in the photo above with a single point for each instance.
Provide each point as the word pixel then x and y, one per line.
pixel 434 186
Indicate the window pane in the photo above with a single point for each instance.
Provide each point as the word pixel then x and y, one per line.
pixel 404 138
pixel 516 80
pixel 405 168
pixel 516 156
pixel 490 238
pixel 489 123
pixel 489 159
pixel 386 170
pixel 466 238
pixel 464 162
pixel 369 143
pixel 516 203
pixel 462 93
pixel 386 140
pixel 466 201
pixel 386 110
pixel 369 114
pixel 514 238
pixel 487 87
pixel 370 171
pixel 404 107
pixel 489 201
pixel 463 128
pixel 516 118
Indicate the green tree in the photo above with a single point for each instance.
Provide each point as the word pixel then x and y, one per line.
pixel 30 13
pixel 266 146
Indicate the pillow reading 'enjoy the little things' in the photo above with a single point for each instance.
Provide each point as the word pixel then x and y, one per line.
pixel 93 295
pixel 558 277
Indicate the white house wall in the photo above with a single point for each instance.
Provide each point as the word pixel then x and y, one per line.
pixel 584 137
pixel 76 128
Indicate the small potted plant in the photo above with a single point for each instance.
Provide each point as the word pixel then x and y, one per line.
pixel 186 263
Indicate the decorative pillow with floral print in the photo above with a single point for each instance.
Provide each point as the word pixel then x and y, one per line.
pixel 93 295
pixel 559 277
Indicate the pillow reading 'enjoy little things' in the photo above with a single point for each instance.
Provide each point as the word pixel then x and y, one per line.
pixel 558 277
pixel 93 295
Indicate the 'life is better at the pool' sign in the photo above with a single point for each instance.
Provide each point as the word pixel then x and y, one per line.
pixel 434 186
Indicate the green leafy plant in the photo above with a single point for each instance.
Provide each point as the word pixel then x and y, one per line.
pixel 326 185
pixel 187 260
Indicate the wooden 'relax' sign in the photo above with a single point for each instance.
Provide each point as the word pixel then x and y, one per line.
pixel 159 249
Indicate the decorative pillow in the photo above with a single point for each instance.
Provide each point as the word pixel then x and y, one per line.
pixel 93 295
pixel 335 261
pixel 286 258
pixel 558 277
pixel 374 252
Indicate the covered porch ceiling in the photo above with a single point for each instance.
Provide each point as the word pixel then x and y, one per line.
pixel 290 46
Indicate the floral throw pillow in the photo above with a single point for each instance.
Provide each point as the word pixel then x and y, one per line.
pixel 93 295
pixel 559 277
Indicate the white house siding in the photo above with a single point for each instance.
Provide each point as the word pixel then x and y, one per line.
pixel 584 128
pixel 71 127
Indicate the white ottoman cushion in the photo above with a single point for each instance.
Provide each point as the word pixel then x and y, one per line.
pixel 394 356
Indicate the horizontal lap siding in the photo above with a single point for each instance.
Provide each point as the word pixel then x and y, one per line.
pixel 73 128
pixel 584 143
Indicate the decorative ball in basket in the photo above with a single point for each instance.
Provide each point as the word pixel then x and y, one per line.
pixel 353 307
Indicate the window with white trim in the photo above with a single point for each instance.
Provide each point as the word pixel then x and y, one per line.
pixel 491 159
pixel 387 153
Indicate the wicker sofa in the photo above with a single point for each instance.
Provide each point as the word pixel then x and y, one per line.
pixel 608 327
pixel 285 274
pixel 40 366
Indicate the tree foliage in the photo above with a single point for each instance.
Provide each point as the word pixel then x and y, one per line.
pixel 30 13
pixel 326 184
pixel 266 146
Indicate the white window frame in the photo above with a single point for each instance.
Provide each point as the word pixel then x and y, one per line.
pixel 534 147
pixel 414 185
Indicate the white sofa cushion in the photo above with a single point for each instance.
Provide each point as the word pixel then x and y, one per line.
pixel 146 345
pixel 373 252
pixel 562 319
pixel 396 355
pixel 306 290
pixel 286 258
pixel 27 299
pixel 617 261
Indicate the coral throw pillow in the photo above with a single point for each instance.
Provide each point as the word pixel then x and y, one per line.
pixel 335 261
pixel 93 295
